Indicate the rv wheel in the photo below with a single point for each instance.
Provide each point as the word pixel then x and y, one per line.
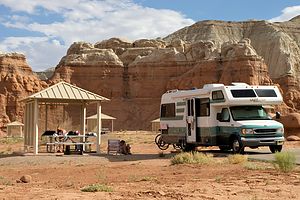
pixel 160 143
pixel 275 148
pixel 189 147
pixel 237 147
pixel 224 148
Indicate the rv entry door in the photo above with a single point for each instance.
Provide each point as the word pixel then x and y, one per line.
pixel 191 120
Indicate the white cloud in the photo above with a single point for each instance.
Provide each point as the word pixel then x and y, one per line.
pixel 41 53
pixel 85 20
pixel 287 14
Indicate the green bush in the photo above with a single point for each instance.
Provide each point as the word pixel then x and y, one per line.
pixel 285 161
pixel 97 188
pixel 191 158
pixel 237 159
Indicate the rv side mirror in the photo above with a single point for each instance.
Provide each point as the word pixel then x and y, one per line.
pixel 277 115
pixel 219 116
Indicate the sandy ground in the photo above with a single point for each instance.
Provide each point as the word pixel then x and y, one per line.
pixel 143 175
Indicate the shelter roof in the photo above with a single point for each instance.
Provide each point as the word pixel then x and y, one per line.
pixel 15 123
pixel 103 116
pixel 63 91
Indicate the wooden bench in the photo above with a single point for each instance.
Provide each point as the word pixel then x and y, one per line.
pixel 49 145
pixel 113 145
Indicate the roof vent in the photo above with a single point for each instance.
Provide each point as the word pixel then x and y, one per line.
pixel 239 84
pixel 171 91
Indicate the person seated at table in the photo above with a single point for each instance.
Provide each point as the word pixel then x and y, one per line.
pixel 61 134
pixel 124 148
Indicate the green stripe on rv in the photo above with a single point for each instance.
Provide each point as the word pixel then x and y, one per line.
pixel 217 101
pixel 177 130
pixel 179 117
pixel 179 110
pixel 181 103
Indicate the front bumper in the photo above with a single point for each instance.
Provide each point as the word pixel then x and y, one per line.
pixel 255 142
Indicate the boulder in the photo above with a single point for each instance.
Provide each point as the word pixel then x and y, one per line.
pixel 26 179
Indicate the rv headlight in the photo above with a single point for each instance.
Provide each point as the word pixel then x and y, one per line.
pixel 245 131
pixel 280 130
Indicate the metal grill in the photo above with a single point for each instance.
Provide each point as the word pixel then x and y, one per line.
pixel 265 131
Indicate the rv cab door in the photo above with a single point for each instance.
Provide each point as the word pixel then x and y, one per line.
pixel 191 120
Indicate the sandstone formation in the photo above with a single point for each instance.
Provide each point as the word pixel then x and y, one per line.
pixel 16 82
pixel 291 124
pixel 135 74
pixel 45 75
pixel 278 44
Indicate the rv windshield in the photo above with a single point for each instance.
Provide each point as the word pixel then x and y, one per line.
pixel 249 113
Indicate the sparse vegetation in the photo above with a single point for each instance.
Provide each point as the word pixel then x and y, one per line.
pixel 254 166
pixel 97 188
pixel 11 140
pixel 218 179
pixel 237 159
pixel 4 181
pixel 192 158
pixel 285 161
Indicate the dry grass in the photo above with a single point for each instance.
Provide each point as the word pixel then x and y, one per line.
pixel 285 161
pixel 97 188
pixel 192 158
pixel 237 159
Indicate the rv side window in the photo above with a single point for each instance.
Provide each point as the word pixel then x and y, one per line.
pixel 204 107
pixel 265 93
pixel 225 115
pixel 243 93
pixel 217 95
pixel 168 110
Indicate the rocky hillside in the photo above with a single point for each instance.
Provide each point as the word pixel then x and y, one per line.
pixel 134 75
pixel 16 82
pixel 278 44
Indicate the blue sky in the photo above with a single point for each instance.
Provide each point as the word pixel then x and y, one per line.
pixel 43 29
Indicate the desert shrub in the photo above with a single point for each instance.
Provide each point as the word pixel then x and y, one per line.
pixel 191 158
pixel 253 166
pixel 97 188
pixel 285 161
pixel 237 159
pixel 11 140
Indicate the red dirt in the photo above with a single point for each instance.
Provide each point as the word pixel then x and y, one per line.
pixel 143 175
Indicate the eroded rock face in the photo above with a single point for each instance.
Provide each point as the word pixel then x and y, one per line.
pixel 277 43
pixel 16 82
pixel 291 124
pixel 136 79
pixel 134 75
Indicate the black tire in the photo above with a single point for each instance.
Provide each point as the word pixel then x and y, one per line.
pixel 275 148
pixel 160 143
pixel 237 146
pixel 189 147
pixel 224 148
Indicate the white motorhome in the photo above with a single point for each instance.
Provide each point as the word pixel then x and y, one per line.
pixel 231 117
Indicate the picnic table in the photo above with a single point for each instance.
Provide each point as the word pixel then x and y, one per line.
pixel 67 141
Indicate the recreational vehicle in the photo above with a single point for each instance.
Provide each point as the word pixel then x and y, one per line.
pixel 230 117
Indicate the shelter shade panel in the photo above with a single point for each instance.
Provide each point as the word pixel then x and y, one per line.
pixel 29 128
